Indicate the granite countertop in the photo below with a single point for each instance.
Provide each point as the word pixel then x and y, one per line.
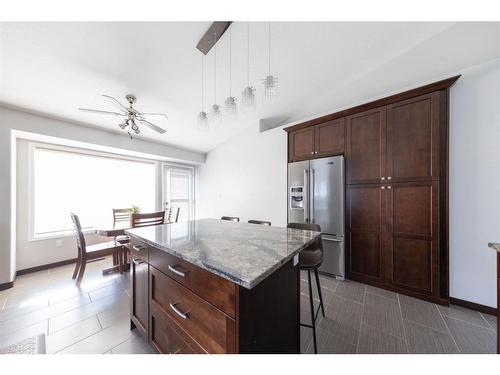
pixel 240 252
pixel 494 246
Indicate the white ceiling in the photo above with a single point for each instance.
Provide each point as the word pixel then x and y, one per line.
pixel 54 68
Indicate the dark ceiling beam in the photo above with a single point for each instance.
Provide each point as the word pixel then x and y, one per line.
pixel 212 36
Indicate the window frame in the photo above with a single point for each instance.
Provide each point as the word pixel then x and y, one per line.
pixel 165 183
pixel 32 145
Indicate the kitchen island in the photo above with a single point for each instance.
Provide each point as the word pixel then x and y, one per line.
pixel 213 286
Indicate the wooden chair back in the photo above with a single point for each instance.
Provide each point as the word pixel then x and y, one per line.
pixel 230 218
pixel 80 238
pixel 260 222
pixel 121 215
pixel 144 220
pixel 173 214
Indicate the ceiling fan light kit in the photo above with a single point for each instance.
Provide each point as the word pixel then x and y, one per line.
pixel 132 116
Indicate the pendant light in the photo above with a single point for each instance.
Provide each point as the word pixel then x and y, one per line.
pixel 230 102
pixel 248 94
pixel 216 112
pixel 203 116
pixel 271 81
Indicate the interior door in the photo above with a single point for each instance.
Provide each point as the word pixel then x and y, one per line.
pixel 365 212
pixel 365 149
pixel 413 139
pixel 179 190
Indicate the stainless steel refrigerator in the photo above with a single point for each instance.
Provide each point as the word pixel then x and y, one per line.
pixel 316 195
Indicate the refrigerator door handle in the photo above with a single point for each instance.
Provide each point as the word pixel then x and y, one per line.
pixel 312 195
pixel 332 239
pixel 306 192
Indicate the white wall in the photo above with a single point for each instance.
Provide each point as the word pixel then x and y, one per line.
pixel 13 120
pixel 475 183
pixel 246 177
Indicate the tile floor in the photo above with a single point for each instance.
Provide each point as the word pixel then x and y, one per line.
pixel 359 319
pixel 363 319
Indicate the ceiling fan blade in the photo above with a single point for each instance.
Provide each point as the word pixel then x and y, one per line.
pixel 153 114
pixel 101 112
pixel 115 101
pixel 152 126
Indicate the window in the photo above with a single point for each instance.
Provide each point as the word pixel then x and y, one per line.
pixel 179 190
pixel 88 184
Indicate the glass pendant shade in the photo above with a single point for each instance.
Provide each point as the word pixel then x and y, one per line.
pixel 270 85
pixel 230 105
pixel 216 112
pixel 248 96
pixel 203 118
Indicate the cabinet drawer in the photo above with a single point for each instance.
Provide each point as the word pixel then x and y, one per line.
pixel 216 290
pixel 138 249
pixel 168 338
pixel 207 325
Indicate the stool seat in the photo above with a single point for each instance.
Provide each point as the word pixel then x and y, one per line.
pixel 310 259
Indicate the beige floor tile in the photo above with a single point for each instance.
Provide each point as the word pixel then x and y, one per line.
pixel 491 319
pixel 343 318
pixel 134 345
pixel 383 314
pixel 102 341
pixel 16 336
pixel 330 344
pixel 472 338
pixel 381 292
pixel 72 334
pixel 461 313
pixel 422 312
pixel 425 340
pixel 351 290
pixel 373 341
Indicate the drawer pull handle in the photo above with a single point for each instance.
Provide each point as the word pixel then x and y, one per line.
pixel 179 312
pixel 137 262
pixel 176 271
pixel 138 247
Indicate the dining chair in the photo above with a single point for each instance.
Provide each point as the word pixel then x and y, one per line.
pixel 260 222
pixel 230 218
pixel 147 219
pixel 122 217
pixel 310 259
pixel 173 214
pixel 88 253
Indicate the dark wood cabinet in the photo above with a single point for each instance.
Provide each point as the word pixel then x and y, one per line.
pixel 365 222
pixel 139 281
pixel 322 140
pixel 365 151
pixel 413 139
pixel 301 144
pixel 396 157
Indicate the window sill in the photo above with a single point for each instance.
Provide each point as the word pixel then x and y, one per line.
pixel 58 235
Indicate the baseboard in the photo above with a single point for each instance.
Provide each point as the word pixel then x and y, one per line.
pixel 45 267
pixel 8 285
pixel 474 306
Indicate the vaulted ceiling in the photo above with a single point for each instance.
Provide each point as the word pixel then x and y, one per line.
pixel 54 68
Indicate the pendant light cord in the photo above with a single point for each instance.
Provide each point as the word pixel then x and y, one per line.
pixel 230 52
pixel 269 45
pixel 202 82
pixel 215 73
pixel 248 54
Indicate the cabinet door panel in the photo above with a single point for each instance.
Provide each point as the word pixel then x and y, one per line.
pixel 414 211
pixel 413 139
pixel 139 294
pixel 301 144
pixel 365 147
pixel 329 138
pixel 364 209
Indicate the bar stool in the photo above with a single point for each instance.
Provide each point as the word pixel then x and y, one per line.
pixel 259 222
pixel 230 218
pixel 310 259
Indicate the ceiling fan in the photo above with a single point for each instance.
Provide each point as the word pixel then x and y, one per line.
pixel 132 115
